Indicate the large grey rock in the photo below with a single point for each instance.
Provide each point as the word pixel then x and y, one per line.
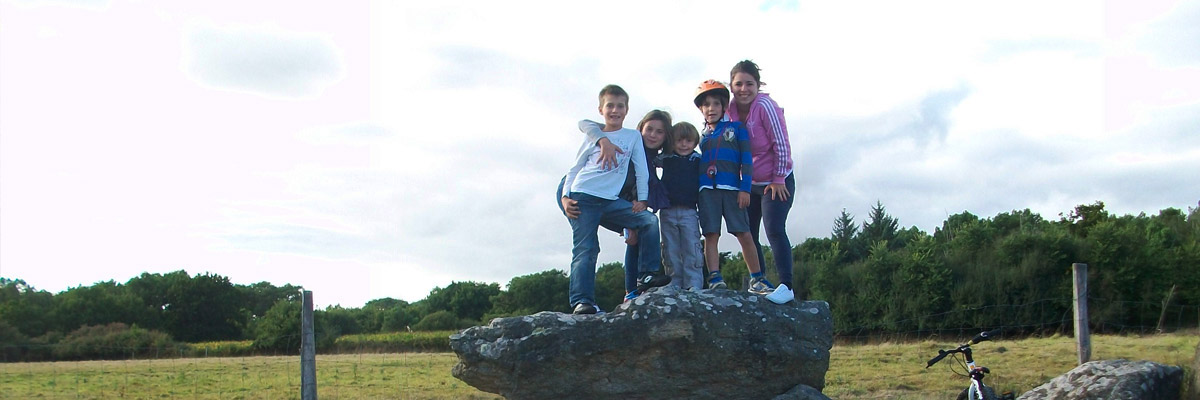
pixel 1113 380
pixel 802 392
pixel 667 343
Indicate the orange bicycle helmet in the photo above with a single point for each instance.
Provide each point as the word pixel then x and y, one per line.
pixel 709 86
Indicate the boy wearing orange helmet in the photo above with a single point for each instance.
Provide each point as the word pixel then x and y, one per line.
pixel 726 170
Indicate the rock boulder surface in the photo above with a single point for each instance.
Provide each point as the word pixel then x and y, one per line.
pixel 1113 380
pixel 667 343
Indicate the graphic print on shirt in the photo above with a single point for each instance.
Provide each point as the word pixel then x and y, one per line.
pixel 729 134
pixel 623 155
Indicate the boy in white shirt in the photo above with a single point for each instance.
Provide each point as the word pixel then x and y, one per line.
pixel 594 189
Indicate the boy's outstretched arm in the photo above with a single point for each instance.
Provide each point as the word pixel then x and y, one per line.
pixel 608 151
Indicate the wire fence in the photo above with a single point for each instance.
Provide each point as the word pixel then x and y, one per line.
pixel 1174 317
pixel 366 370
pixel 375 376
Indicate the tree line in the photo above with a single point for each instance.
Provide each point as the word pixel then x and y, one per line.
pixel 1011 270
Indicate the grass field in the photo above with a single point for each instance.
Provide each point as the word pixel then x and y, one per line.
pixel 877 371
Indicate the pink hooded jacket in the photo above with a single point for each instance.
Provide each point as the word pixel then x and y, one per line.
pixel 768 139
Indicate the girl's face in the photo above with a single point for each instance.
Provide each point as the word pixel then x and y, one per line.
pixel 745 88
pixel 653 134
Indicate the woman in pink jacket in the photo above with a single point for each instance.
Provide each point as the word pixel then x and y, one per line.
pixel 773 181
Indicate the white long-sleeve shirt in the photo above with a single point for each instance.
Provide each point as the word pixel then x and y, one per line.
pixel 588 176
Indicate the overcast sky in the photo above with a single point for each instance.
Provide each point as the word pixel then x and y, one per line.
pixel 370 150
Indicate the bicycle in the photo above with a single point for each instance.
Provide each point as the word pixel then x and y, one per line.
pixel 977 390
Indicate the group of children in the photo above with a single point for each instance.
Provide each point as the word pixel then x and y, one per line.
pixel 700 189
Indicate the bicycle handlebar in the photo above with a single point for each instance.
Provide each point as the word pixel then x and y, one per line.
pixel 981 337
pixel 941 354
pixel 985 336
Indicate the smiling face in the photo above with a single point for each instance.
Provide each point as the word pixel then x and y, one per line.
pixel 713 109
pixel 613 108
pixel 654 132
pixel 745 88
pixel 684 146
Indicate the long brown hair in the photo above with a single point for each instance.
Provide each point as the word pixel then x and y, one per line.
pixel 748 67
pixel 661 116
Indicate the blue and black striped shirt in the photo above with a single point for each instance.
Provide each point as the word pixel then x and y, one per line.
pixel 726 149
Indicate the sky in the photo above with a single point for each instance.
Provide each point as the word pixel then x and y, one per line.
pixel 382 149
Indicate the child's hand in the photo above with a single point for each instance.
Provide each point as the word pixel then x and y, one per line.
pixel 631 237
pixel 570 207
pixel 608 153
pixel 743 199
pixel 639 206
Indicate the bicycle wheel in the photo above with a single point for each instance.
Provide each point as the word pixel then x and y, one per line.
pixel 988 394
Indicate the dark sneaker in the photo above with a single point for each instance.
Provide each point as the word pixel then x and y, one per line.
pixel 715 281
pixel 585 308
pixel 760 285
pixel 651 280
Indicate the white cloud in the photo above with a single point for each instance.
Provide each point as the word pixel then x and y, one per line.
pixel 1173 38
pixel 432 135
pixel 86 4
pixel 265 60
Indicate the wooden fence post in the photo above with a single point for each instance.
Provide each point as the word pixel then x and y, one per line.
pixel 308 350
pixel 1083 339
pixel 1162 317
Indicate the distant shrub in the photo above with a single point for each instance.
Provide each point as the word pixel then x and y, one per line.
pixel 396 342
pixel 39 348
pixel 12 342
pixel 441 321
pixel 226 348
pixel 113 342
pixel 279 329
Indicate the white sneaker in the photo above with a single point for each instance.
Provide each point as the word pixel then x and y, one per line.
pixel 781 295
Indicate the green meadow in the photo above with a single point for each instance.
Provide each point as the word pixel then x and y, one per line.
pixel 857 371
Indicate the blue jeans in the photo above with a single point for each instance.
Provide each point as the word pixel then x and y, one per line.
pixel 680 228
pixel 593 211
pixel 631 264
pixel 773 214
pixel 631 252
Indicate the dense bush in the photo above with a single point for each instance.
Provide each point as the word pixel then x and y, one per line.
pixel 11 342
pixel 227 348
pixel 279 328
pixel 543 291
pixel 113 342
pixel 442 321
pixel 401 317
pixel 438 341
pixel 278 331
